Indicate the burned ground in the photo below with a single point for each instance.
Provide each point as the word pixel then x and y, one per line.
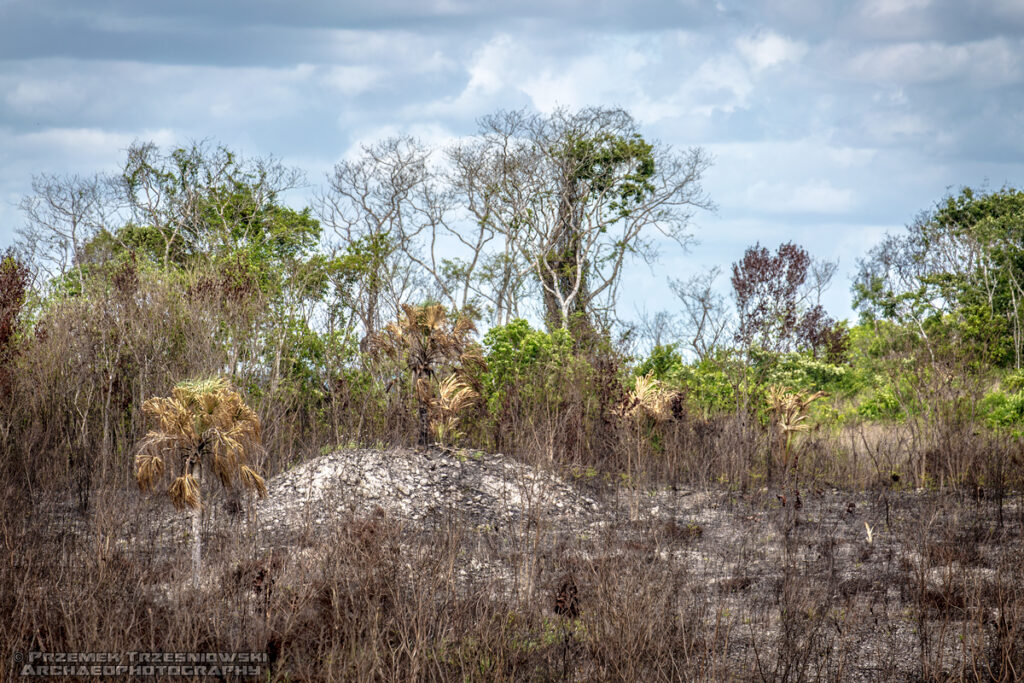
pixel 460 564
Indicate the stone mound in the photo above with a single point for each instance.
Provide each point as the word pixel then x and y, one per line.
pixel 485 490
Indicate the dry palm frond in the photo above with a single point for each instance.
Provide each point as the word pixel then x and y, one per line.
pixel 454 396
pixel 149 468
pixel 184 492
pixel 790 407
pixel 472 364
pixel 172 417
pixel 426 339
pixel 253 481
pixel 431 317
pixel 204 422
pixel 790 413
pixel 649 397
pixel 424 391
pixel 463 327
pixel 424 336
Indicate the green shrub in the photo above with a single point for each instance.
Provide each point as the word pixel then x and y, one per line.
pixel 1014 382
pixel 709 384
pixel 517 355
pixel 804 372
pixel 881 404
pixel 664 363
pixel 1004 412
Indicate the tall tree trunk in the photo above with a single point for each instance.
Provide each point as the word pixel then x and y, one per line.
pixel 424 424
pixel 197 523
pixel 565 271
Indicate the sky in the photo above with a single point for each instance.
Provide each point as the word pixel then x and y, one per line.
pixel 829 123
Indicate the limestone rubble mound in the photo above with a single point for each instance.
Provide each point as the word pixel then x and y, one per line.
pixel 419 486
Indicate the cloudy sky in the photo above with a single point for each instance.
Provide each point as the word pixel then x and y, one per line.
pixel 829 122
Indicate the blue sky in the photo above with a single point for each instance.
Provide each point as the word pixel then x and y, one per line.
pixel 829 122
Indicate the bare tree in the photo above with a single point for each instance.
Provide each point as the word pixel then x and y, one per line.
pixel 63 213
pixel 493 191
pixel 657 328
pixel 705 320
pixel 383 206
pixel 569 198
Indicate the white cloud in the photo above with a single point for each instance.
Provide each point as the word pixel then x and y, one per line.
pixel 887 128
pixel 815 196
pixel 108 91
pixel 720 83
pixel 350 80
pixel 988 62
pixel 630 71
pixel 812 153
pixel 492 68
pixel 615 78
pixel 767 49
pixel 88 142
pixel 876 9
pixel 493 63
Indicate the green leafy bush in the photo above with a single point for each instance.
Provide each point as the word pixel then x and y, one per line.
pixel 881 404
pixel 664 363
pixel 1004 412
pixel 1014 382
pixel 709 385
pixel 804 372
pixel 516 355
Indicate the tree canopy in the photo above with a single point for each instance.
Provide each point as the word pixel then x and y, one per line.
pixel 957 273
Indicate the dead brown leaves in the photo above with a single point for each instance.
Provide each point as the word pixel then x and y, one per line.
pixel 204 423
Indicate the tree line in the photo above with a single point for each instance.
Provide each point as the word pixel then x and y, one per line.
pixel 353 318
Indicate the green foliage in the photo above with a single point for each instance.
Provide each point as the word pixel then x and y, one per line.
pixel 801 371
pixel 710 385
pixel 616 164
pixel 307 355
pixel 881 404
pixel 663 363
pixel 956 276
pixel 519 355
pixel 1004 412
pixel 1014 381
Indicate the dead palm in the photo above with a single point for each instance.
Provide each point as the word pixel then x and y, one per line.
pixel 454 397
pixel 204 426
pixel 648 403
pixel 425 339
pixel 790 410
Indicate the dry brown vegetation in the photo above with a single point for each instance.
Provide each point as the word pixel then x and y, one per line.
pixel 706 585
pixel 877 551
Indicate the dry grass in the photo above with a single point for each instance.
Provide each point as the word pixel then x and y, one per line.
pixel 715 586
pixel 751 586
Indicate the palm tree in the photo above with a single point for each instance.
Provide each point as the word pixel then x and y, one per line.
pixel 647 404
pixel 203 425
pixel 790 412
pixel 454 396
pixel 425 338
pixel 649 398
